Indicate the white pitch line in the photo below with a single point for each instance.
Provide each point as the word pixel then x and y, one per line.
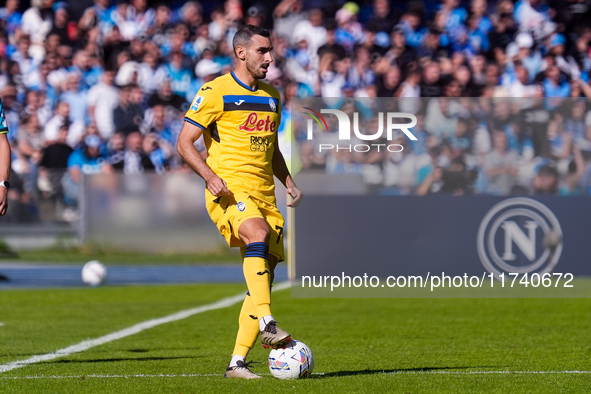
pixel 85 345
pixel 1 324
pixel 200 375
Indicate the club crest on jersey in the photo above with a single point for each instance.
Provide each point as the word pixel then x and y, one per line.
pixel 241 206
pixel 272 105
pixel 196 103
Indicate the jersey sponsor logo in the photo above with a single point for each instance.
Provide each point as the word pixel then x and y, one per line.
pixel 238 102
pixel 196 103
pixel 253 123
pixel 259 144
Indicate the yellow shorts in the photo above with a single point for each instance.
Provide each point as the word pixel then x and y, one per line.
pixel 228 213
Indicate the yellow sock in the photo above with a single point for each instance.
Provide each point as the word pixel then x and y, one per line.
pixel 258 277
pixel 248 328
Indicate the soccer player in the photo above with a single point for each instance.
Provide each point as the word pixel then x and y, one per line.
pixel 4 161
pixel 238 117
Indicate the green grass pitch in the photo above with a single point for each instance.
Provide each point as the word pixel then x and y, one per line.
pixel 360 345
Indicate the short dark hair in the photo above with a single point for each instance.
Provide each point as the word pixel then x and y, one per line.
pixel 245 33
pixel 548 169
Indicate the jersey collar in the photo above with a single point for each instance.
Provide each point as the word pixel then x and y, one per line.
pixel 245 86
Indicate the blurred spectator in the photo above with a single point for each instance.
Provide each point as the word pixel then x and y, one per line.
pixel 455 180
pixel 431 83
pixel 28 66
pixel 83 65
pixel 53 164
pixel 311 30
pixel 159 152
pixel 61 28
pixel 331 45
pixel 10 17
pixel 410 25
pixel 572 185
pixel 133 160
pixel 128 115
pixel 166 97
pixel 349 32
pixel 147 73
pixel 30 144
pixel 116 144
pixel 30 138
pixel 555 84
pixel 75 97
pixel 534 121
pixel 191 17
pixel 85 160
pixel 60 118
pixel 37 22
pixel 360 73
pixel 35 103
pixel 500 166
pixel 103 98
pixel 287 14
pixel 174 71
pixel 520 86
pixel 546 180
pixel 389 82
pixel 141 16
pixel 382 16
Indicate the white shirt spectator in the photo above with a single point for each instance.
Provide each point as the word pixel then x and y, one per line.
pixel 52 128
pixel 35 25
pixel 314 36
pixel 104 98
pixel 517 89
pixel 29 69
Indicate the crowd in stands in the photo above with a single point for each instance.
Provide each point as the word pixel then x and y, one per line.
pixel 102 86
pixel 491 145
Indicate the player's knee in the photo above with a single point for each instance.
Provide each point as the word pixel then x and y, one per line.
pixel 254 230
pixel 259 234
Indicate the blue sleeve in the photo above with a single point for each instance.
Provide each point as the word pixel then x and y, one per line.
pixel 3 122
pixel 75 159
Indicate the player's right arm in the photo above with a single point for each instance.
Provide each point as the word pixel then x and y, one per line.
pixel 186 148
pixel 5 158
pixel 205 109
pixel 4 170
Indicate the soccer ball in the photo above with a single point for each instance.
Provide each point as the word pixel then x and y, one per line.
pixel 94 273
pixel 292 362
pixel 552 239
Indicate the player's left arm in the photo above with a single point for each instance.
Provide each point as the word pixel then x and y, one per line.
pixel 282 173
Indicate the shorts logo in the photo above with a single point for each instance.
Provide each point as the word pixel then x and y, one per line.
pixel 272 104
pixel 259 144
pixel 519 235
pixel 241 206
pixel 196 103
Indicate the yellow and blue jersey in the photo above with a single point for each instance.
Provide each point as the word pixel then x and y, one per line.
pixel 240 132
